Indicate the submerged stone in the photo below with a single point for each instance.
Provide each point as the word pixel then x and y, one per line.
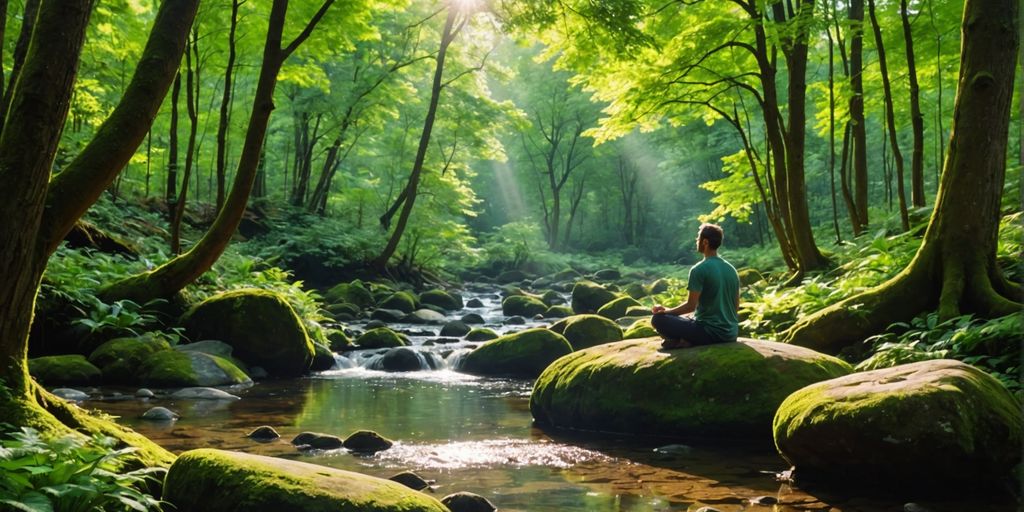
pixel 222 481
pixel 71 395
pixel 263 433
pixel 367 441
pixel 203 393
pixel 410 480
pixel 467 502
pixel 632 386
pixel 925 422
pixel 160 414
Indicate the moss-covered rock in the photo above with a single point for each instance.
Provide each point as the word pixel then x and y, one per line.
pixel 749 276
pixel 323 359
pixel 640 329
pixel 481 334
pixel 401 301
pixel 559 326
pixel 344 311
pixel 523 305
pixel 524 354
pixel 635 290
pixel 69 370
pixel 558 312
pixel 381 337
pixel 658 286
pixel 399 359
pixel 119 359
pixel 367 441
pixel 177 369
pixel 455 328
pixel 566 275
pixel 552 298
pixel 260 325
pixel 588 297
pixel 607 274
pixel 925 422
pixel 442 299
pixel 584 331
pixel 618 307
pixel 352 293
pixel 222 481
pixel 511 276
pixel 339 341
pixel 724 390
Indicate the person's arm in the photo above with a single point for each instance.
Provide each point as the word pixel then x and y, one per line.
pixel 687 307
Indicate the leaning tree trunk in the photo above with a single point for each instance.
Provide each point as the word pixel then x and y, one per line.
pixel 955 268
pixel 171 277
pixel 37 209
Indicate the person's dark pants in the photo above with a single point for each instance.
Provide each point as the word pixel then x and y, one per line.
pixel 672 327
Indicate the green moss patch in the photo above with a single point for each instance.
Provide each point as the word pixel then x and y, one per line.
pixel 632 386
pixel 176 369
pixel 69 370
pixel 119 359
pixel 618 307
pixel 524 354
pixel 640 329
pixel 939 420
pixel 441 299
pixel 381 337
pixel 400 301
pixel 588 297
pixel 222 481
pixel 584 331
pixel 523 305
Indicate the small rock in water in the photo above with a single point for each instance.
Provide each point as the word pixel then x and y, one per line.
pixel 326 442
pixel 304 438
pixel 472 318
pixel 257 372
pixel 914 507
pixel 373 324
pixel 144 393
pixel 367 441
pixel 160 414
pixel 203 394
pixel 467 502
pixel 411 480
pixel 764 501
pixel 707 509
pixel 71 395
pixel 474 303
pixel 673 449
pixel 264 433
pixel 515 320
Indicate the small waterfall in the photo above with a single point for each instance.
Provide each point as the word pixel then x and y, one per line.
pixel 342 363
pixel 454 360
pixel 403 359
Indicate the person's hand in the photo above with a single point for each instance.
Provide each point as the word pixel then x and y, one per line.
pixel 658 309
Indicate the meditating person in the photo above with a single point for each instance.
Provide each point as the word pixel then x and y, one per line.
pixel 714 294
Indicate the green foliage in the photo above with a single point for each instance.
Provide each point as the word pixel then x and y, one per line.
pixel 991 344
pixel 120 317
pixel 70 474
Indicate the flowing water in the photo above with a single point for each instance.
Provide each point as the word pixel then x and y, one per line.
pixel 475 434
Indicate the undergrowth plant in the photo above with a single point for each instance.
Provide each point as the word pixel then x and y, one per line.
pixel 70 474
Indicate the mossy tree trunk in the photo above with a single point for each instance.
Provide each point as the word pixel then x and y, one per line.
pixel 37 211
pixel 171 277
pixel 955 268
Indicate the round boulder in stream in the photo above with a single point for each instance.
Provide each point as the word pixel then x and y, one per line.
pixel 924 422
pixel 523 354
pixel 367 441
pixel 584 331
pixel 261 327
pixel 455 328
pixel 381 337
pixel 399 359
pixel 441 299
pixel 63 370
pixel 175 369
pixel 632 386
pixel 618 307
pixel 224 481
pixel 588 297
pixel 522 305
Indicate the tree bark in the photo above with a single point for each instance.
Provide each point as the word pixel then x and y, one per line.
pixel 890 118
pixel 859 130
pixel 380 263
pixel 916 117
pixel 171 190
pixel 20 49
pixel 192 107
pixel 171 277
pixel 955 268
pixel 225 108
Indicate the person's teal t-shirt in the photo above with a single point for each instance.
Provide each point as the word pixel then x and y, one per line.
pixel 719 285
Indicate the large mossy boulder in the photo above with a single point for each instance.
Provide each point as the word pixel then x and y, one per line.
pixel 641 328
pixel 442 299
pixel 523 305
pixel 931 421
pixel 351 293
pixel 522 354
pixel 481 334
pixel 618 307
pixel 381 337
pixel 401 301
pixel 588 297
pixel 260 326
pixel 69 370
pixel 584 331
pixel 178 369
pixel 119 359
pixel 725 390
pixel 222 481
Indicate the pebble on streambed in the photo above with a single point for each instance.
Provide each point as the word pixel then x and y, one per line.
pixel 160 414
pixel 263 433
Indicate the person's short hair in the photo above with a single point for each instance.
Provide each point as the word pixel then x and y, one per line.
pixel 712 233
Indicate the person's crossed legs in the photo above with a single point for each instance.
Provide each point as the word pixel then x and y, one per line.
pixel 680 331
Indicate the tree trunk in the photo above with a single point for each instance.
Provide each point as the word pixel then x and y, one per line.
pixel 916 117
pixel 28 19
pixel 171 277
pixel 171 191
pixel 421 152
pixel 955 268
pixel 35 208
pixel 225 108
pixel 191 102
pixel 859 131
pixel 832 132
pixel 890 118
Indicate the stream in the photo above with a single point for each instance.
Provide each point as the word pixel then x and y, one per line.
pixel 475 434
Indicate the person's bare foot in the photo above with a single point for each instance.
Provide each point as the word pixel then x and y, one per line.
pixel 674 344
